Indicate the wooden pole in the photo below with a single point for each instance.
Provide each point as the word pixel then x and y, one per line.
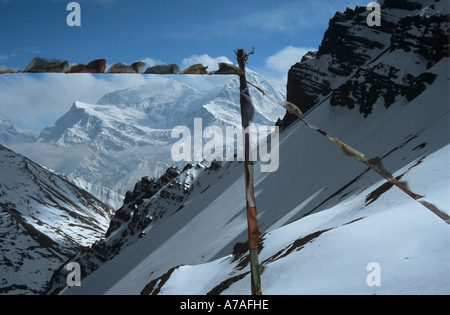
pixel 254 233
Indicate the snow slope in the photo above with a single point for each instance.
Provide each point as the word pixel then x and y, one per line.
pixel 325 216
pixel 104 194
pixel 332 252
pixel 44 220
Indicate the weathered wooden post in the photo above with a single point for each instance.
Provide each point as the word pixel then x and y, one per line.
pixel 254 234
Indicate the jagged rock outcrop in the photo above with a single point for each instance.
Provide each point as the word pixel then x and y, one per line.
pixel 358 65
pixel 146 188
pixel 150 202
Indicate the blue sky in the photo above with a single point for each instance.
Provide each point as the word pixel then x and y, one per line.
pixel 169 31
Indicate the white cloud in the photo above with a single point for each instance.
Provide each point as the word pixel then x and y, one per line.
pixel 36 50
pixel 278 65
pixel 204 83
pixel 33 101
pixel 265 19
pixel 150 62
pixel 206 60
pixel 285 58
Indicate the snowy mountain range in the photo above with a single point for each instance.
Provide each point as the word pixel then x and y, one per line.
pixel 9 134
pixel 44 221
pixel 127 134
pixel 119 140
pixel 330 224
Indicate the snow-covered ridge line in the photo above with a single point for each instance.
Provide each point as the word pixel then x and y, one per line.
pixel 44 220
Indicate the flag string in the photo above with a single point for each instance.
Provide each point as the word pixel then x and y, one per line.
pixel 373 163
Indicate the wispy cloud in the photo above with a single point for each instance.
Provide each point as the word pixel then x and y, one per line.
pixel 149 62
pixel 33 101
pixel 206 60
pixel 278 64
pixel 33 50
pixel 203 83
pixel 268 18
pixel 285 58
pixel 293 16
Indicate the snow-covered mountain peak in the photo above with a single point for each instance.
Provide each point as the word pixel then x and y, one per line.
pixel 11 134
pixel 171 98
pixel 127 134
pixel 162 94
pixel 4 120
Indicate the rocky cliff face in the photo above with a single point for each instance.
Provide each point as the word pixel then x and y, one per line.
pixel 145 189
pixel 359 66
